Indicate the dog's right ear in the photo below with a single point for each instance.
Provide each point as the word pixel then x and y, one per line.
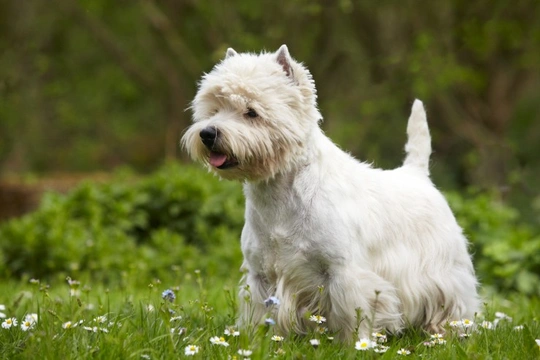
pixel 230 53
pixel 284 59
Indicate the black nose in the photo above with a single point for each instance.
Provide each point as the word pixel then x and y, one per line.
pixel 209 136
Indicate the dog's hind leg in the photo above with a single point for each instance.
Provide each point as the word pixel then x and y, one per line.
pixel 363 301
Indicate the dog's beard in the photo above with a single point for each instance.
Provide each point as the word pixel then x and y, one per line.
pixel 242 152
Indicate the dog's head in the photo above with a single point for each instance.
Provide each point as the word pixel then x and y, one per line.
pixel 253 115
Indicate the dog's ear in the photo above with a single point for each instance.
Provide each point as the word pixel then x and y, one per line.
pixel 284 59
pixel 230 53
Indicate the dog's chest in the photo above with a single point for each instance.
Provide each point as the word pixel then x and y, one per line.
pixel 283 237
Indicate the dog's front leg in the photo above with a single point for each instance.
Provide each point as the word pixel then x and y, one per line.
pixel 253 292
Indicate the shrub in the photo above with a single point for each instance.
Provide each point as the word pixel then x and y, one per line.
pixel 506 250
pixel 178 216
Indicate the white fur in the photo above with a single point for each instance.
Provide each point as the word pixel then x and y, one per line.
pixel 324 233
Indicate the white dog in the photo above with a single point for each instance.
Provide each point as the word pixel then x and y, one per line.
pixel 324 233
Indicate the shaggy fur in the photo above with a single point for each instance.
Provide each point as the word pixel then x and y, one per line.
pixel 325 233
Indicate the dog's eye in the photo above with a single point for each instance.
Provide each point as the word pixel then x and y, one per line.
pixel 251 113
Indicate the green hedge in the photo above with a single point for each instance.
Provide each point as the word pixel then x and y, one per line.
pixel 183 218
pixel 179 217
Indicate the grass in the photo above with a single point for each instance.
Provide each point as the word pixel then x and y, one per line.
pixel 124 321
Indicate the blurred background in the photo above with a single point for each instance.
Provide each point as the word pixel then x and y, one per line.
pixel 90 86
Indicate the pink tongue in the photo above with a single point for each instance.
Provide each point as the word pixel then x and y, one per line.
pixel 217 159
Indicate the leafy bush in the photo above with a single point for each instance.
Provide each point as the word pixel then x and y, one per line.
pixel 506 250
pixel 183 218
pixel 180 216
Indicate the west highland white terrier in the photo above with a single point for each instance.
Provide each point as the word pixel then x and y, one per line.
pixel 368 249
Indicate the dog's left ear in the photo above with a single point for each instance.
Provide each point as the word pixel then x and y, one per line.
pixel 284 59
pixel 230 53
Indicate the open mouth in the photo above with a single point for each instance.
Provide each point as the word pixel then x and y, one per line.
pixel 222 161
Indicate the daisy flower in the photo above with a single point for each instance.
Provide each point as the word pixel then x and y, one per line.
pixel 279 351
pixel 317 318
pixel 378 337
pixel 502 316
pixel 101 319
pixel 455 323
pixel 404 352
pixel 429 343
pixel 32 318
pixel 191 350
pixel 437 336
pixel 216 340
pixel 381 349
pixel 277 338
pixel 487 325
pixel 518 328
pixel 467 323
pixel 245 353
pixel 8 323
pixel 27 325
pixel 314 342
pixel 2 308
pixel 363 344
pixel 231 331
pixel 67 325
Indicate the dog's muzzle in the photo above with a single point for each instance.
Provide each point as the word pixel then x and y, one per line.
pixel 209 137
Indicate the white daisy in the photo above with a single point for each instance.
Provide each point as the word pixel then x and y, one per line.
pixel 27 325
pixel 9 322
pixel 101 319
pixel 33 318
pixel 317 318
pixel 243 352
pixel 403 352
pixel 487 325
pixel 314 342
pixel 277 338
pixel 467 323
pixel 455 323
pixel 231 331
pixel 191 350
pixel 363 344
pixel 216 340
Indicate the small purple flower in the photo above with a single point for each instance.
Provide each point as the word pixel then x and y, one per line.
pixel 168 295
pixel 272 300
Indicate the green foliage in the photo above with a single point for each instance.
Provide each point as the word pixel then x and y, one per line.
pixel 506 250
pixel 178 217
pixel 182 218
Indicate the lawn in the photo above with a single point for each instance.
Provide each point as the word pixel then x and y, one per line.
pixel 193 316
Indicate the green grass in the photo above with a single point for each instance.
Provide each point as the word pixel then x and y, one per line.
pixel 138 325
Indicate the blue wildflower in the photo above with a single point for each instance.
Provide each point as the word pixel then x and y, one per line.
pixel 168 295
pixel 272 300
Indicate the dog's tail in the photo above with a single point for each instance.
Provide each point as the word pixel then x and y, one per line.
pixel 418 147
